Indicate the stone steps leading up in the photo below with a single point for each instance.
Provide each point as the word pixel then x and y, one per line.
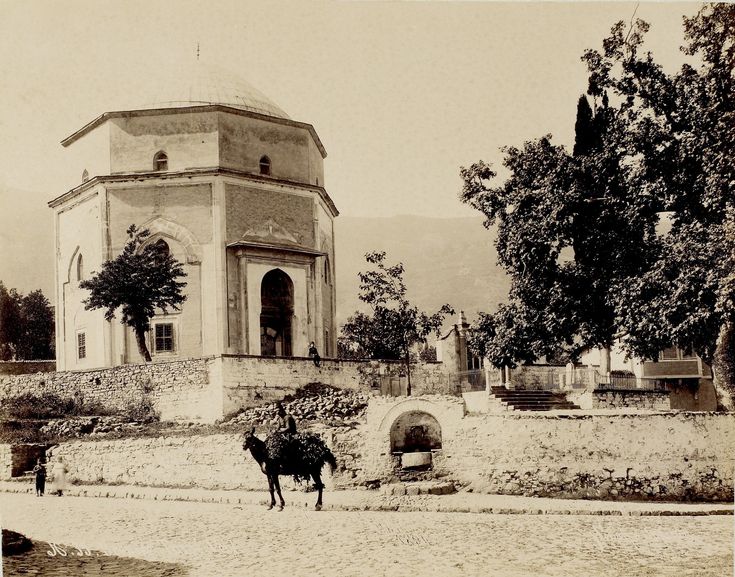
pixel 524 400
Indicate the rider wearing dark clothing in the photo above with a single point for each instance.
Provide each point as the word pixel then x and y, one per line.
pixel 286 423
pixel 285 429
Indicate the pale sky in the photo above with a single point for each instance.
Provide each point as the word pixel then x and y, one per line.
pixel 401 93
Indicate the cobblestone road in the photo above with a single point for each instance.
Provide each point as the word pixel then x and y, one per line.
pixel 248 541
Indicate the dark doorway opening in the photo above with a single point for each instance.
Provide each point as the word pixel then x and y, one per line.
pixel 276 314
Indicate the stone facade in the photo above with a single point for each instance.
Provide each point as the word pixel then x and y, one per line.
pixel 235 189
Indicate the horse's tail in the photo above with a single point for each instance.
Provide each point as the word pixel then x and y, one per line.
pixel 329 459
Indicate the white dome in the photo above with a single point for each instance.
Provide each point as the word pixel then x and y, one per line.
pixel 202 84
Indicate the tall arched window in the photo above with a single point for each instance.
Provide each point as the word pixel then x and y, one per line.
pixel 80 268
pixel 160 161
pixel 265 165
pixel 162 248
pixel 85 176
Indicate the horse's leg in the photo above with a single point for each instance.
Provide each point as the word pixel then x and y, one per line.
pixel 318 484
pixel 270 490
pixel 278 490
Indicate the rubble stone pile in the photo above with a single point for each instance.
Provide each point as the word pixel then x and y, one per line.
pixel 313 402
pixel 96 426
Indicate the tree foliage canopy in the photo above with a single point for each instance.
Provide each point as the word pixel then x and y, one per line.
pixel 26 325
pixel 578 232
pixel 139 281
pixel 393 325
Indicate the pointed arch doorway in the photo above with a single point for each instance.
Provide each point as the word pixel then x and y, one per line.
pixel 276 314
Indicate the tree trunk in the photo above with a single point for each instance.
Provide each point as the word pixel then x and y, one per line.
pixel 605 361
pixel 408 374
pixel 723 367
pixel 142 347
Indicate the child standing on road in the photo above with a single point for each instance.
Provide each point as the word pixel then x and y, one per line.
pixel 40 472
pixel 58 474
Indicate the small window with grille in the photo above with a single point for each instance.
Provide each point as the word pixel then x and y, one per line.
pixel 164 338
pixel 81 345
pixel 160 161
pixel 265 165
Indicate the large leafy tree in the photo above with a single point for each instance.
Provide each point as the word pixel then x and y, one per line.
pixel 37 328
pixel 142 279
pixel 577 232
pixel 26 325
pixel 681 130
pixel 10 322
pixel 393 325
pixel 570 231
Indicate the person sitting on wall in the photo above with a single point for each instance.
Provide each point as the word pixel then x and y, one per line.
pixel 314 354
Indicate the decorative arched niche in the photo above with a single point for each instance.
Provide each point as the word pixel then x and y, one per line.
pixel 415 431
pixel 174 234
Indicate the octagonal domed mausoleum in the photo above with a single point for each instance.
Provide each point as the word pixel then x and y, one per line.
pixel 235 189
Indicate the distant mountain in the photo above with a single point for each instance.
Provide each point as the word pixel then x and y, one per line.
pixel 447 260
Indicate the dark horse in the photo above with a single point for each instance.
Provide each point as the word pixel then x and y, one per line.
pixel 302 456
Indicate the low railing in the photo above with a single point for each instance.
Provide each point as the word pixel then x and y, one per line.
pixel 584 378
pixel 468 381
pixel 615 382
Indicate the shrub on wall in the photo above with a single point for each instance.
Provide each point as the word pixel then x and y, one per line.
pixel 48 406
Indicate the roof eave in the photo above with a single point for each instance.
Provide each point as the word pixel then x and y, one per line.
pixel 184 109
pixel 281 247
pixel 212 171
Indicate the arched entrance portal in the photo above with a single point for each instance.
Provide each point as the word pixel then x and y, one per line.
pixel 276 313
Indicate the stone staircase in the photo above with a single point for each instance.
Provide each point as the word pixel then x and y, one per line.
pixel 526 400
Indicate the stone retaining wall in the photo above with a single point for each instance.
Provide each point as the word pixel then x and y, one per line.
pixel 204 461
pixel 657 456
pixel 6 461
pixel 537 376
pixel 178 389
pixel 631 399
pixel 207 389
pixel 251 380
pixel 666 456
pixel 15 460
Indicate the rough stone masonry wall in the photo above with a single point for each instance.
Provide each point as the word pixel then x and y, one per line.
pixel 632 399
pixel 666 456
pixel 203 461
pixel 208 388
pixel 6 461
pixel 15 460
pixel 177 389
pixel 536 376
pixel 251 380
